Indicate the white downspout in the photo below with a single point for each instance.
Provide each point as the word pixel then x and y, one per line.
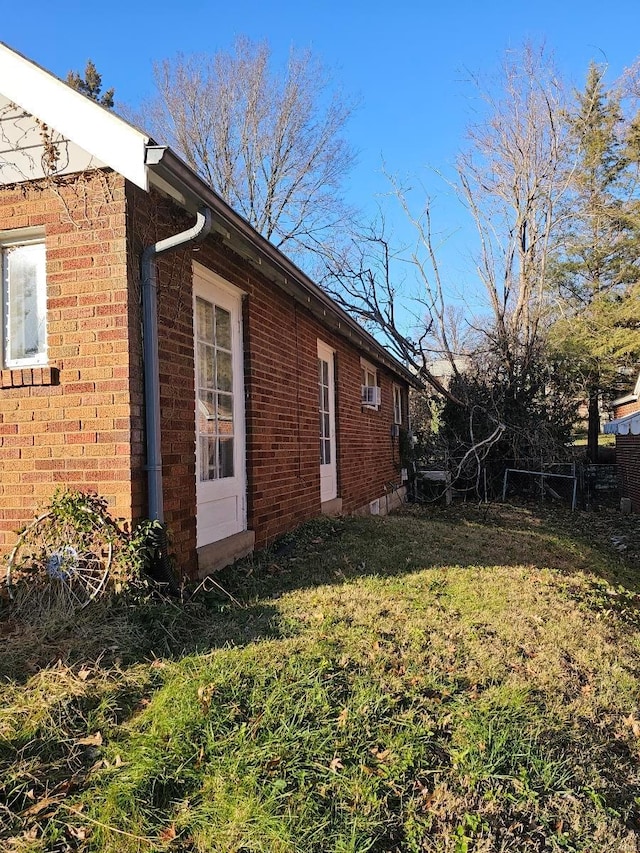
pixel 150 353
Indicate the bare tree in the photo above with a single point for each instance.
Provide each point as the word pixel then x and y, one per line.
pixel 511 180
pixel 270 142
pixel 382 286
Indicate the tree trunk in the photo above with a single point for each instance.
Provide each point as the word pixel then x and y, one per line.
pixel 593 428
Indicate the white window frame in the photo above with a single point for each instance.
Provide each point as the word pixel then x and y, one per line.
pixel 397 404
pixel 12 240
pixel 369 399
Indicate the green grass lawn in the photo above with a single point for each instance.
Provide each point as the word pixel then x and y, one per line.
pixel 445 681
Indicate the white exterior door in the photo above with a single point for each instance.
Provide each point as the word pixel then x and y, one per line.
pixel 327 423
pixel 220 429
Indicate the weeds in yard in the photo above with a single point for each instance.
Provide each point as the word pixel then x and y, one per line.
pixel 418 683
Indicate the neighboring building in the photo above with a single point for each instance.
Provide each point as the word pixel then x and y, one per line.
pixel 626 428
pixel 203 379
pixel 443 370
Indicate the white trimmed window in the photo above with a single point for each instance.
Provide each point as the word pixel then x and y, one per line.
pixel 370 390
pixel 24 301
pixel 397 404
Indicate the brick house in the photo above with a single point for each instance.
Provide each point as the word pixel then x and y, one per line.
pixel 157 350
pixel 626 428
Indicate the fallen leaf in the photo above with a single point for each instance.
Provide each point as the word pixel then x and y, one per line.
pixel 205 695
pixel 380 754
pixel 91 740
pixel 342 718
pixel 335 764
pixel 168 834
pixel 77 832
pixel 42 805
pixel 633 724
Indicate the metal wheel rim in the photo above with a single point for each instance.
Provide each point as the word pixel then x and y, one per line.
pixel 91 576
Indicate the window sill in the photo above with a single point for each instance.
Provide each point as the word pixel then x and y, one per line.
pixel 23 377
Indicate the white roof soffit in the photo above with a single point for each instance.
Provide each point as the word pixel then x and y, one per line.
pixel 94 128
pixel 629 425
pixel 629 398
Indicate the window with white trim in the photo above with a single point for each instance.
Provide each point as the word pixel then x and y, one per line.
pixel 397 404
pixel 24 301
pixel 370 390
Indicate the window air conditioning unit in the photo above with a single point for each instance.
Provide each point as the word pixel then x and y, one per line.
pixel 371 396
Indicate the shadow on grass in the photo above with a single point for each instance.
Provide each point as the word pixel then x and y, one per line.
pixel 98 686
pixel 126 630
pixel 129 630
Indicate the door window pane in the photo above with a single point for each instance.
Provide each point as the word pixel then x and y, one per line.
pixel 225 407
pixel 223 328
pixel 224 375
pixel 226 457
pixel 205 319
pixel 214 375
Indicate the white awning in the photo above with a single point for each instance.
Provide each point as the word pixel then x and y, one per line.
pixel 629 425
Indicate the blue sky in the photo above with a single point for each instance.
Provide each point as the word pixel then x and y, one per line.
pixel 407 62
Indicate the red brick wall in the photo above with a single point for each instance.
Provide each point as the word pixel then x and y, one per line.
pixel 368 456
pixel 626 409
pixel 281 391
pixel 78 431
pixel 628 457
pixel 628 461
pixel 281 378
pixel 79 423
pixel 150 218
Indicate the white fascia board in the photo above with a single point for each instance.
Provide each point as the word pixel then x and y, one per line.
pixel 628 398
pixel 92 127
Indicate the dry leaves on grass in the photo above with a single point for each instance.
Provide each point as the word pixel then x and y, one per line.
pixel 633 724
pixel 91 740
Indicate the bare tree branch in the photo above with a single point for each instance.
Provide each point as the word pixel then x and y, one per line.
pixel 271 143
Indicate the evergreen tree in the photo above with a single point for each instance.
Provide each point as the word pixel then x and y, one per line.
pixel 598 266
pixel 91 85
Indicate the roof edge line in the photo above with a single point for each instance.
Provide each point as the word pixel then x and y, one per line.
pixel 191 188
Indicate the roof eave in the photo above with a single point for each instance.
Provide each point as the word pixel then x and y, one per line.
pixel 170 174
pixel 97 130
